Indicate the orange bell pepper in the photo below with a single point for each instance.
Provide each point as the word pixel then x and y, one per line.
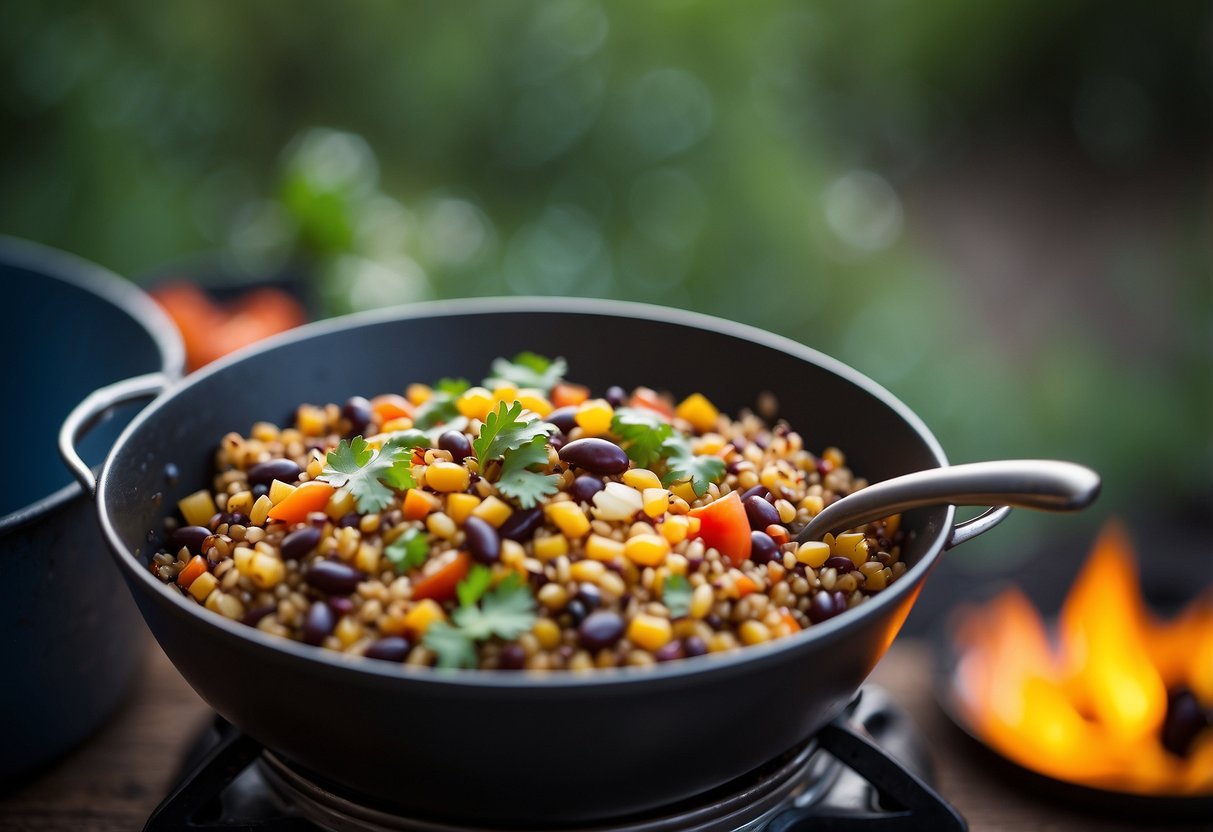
pixel 192 570
pixel 296 506
pixel 441 583
pixel 723 525
pixel 390 406
pixel 566 394
pixel 648 399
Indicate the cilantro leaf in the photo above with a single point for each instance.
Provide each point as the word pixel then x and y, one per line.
pixel 452 646
pixel 440 407
pixel 527 370
pixel 701 470
pixel 368 474
pixel 507 611
pixel 503 431
pixel 676 595
pixel 408 551
pixel 643 434
pixel 525 486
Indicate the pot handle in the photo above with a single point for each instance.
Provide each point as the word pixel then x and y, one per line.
pixel 1043 484
pixel 97 406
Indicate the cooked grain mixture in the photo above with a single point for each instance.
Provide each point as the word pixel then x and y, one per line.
pixel 523 523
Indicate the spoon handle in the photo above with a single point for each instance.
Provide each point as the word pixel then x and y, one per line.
pixel 1044 484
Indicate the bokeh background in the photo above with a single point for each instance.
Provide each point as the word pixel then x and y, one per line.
pixel 999 210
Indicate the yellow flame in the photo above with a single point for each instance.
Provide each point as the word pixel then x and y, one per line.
pixel 1091 710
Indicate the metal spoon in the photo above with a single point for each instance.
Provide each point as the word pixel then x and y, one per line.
pixel 1044 484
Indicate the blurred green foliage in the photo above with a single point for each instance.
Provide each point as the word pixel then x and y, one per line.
pixel 738 159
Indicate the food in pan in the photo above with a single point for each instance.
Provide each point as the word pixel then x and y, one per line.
pixel 526 522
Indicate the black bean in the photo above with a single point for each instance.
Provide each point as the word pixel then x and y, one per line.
pixel 577 611
pixel 255 615
pixel 757 491
pixel 843 565
pixel 616 396
pixel 349 520
pixel 260 490
pixel 763 549
pixel 238 519
pixel 299 544
pixel 585 487
pixel 389 649
pixel 840 601
pixel 191 537
pixel 821 607
pixel 283 470
pixel 594 454
pixel 340 605
pixel 333 577
pixel 590 595
pixel 564 418
pixel 456 443
pixel 694 646
pixel 714 621
pixel 318 622
pixel 521 525
pixel 357 412
pixel 670 651
pixel 513 657
pixel 600 629
pixel 760 512
pixel 483 543
pixel 1184 720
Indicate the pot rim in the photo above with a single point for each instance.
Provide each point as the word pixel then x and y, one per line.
pixel 729 662
pixel 54 264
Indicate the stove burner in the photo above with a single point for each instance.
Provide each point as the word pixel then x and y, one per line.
pixel 865 770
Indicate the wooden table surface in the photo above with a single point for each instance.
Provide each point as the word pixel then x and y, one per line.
pixel 116 779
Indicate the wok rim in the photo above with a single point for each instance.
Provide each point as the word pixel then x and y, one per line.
pixel 63 267
pixel 379 672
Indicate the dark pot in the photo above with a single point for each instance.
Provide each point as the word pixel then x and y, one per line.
pixel 517 747
pixel 71 638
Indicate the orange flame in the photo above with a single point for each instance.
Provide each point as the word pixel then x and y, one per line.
pixel 1090 708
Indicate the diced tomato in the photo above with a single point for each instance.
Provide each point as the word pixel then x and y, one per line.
pixel 440 584
pixel 390 406
pixel 723 525
pixel 566 394
pixel 192 570
pixel 649 399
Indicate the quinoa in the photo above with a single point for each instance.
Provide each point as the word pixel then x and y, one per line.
pixel 507 527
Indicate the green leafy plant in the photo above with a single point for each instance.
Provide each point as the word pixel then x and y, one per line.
pixel 409 550
pixel 676 595
pixel 369 474
pixel 521 444
pixel 440 408
pixel 506 611
pixel 649 440
pixel 528 369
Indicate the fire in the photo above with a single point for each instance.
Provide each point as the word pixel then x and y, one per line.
pixel 1090 704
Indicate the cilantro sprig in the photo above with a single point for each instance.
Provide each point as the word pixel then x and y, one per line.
pixel 527 370
pixel 648 439
pixel 369 474
pixel 440 407
pixel 409 551
pixel 521 444
pixel 676 595
pixel 506 612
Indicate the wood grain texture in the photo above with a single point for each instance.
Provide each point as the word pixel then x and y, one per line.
pixel 114 781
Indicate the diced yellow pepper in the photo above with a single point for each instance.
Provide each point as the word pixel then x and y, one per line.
pixel 475 403
pixel 242 556
pixel 367 559
pixel 418 394
pixel 340 504
pixel 594 417
pixel 399 423
pixel 493 510
pixel 279 491
pixel 260 510
pixel 424 613
pixel 813 553
pixel 459 506
pixel 203 585
pixel 569 518
pixel 507 393
pixel 550 546
pixel 674 529
pixel 240 503
pixel 586 570
pixel 851 545
pixel 656 501
pixel 266 571
pixel 533 400
pixel 311 420
pixel 641 478
pixel 198 508
pixel 700 412
pixel 646 549
pixel 649 631
pixel 446 477
pixel 602 548
pixel 684 490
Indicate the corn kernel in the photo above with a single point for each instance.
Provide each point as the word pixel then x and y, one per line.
pixel 813 553
pixel 787 511
pixel 340 504
pixel 754 632
pixel 475 403
pixel 641 478
pixel 459 506
pixel 348 630
pixel 311 420
pixel 266 571
pixel 549 546
pixel 594 417
pixel 533 400
pixel 422 615
pixel 393 425
pixel 674 529
pixel 279 491
pixel 700 412
pixel 656 501
pixel 649 631
pixel 702 599
pixel 240 503
pixel 569 518
pixel 851 545
pixel 242 556
pixel 547 632
pixel 418 394
pixel 202 586
pixel 646 549
pixel 602 548
pixel 440 525
pixel 367 559
pixel 493 510
pixel 198 508
pixel 447 477
pixel 587 570
pixel 260 510
pixel 684 491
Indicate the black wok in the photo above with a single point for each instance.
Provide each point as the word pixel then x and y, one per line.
pixel 515 746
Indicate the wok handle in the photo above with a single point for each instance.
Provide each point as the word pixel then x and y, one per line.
pixel 97 406
pixel 1043 484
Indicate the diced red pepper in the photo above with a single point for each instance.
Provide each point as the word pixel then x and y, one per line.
pixel 441 583
pixel 724 526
